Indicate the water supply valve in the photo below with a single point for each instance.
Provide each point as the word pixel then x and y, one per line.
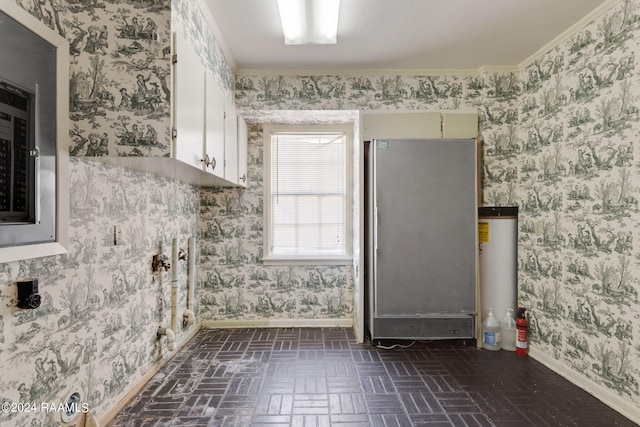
pixel 160 261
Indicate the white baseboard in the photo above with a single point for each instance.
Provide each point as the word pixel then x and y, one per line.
pixel 279 323
pixel 606 396
pixel 134 389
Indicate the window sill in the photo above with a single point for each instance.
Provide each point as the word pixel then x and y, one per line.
pixel 272 260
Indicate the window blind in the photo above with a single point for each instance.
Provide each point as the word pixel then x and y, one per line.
pixel 308 194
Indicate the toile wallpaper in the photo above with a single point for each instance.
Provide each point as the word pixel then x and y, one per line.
pixel 568 164
pixel 119 88
pixel 95 331
pixel 558 142
pixel 578 190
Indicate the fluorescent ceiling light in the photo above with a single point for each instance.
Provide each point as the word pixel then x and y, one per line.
pixel 309 21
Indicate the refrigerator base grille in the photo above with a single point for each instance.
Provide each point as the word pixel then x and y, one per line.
pixel 423 328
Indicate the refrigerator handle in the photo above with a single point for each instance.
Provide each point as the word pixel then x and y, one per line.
pixel 375 228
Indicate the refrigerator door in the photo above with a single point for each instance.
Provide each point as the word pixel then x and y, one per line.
pixel 425 233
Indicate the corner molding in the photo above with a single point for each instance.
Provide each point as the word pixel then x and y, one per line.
pixel 605 395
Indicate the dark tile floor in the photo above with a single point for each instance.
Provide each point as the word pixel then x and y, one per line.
pixel 322 377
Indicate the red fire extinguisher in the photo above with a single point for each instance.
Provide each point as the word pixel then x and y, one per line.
pixel 522 347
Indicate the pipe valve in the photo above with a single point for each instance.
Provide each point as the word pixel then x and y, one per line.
pixel 160 261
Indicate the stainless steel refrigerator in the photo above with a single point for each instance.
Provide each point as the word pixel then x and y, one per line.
pixel 421 238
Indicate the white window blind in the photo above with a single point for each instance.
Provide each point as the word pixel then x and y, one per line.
pixel 309 195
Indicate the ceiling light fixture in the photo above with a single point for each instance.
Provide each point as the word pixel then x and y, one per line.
pixel 309 21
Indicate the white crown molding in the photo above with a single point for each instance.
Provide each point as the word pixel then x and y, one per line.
pixel 358 72
pixel 503 69
pixel 569 32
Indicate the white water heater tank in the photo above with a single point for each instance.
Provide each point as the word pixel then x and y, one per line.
pixel 498 262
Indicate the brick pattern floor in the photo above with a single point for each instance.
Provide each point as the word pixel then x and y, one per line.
pixel 322 377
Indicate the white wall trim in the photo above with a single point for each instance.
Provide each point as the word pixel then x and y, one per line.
pixel 606 396
pixel 133 390
pixel 501 69
pixel 358 72
pixel 279 323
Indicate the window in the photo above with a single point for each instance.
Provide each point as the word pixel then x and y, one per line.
pixel 308 194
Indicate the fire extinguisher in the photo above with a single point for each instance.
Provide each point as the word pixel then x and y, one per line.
pixel 522 347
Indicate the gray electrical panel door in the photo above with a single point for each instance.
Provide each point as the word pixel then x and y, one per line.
pixel 28 99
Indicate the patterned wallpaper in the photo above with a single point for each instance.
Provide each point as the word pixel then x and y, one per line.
pixel 101 306
pixel 120 79
pixel 568 163
pixel 357 92
pixel 578 191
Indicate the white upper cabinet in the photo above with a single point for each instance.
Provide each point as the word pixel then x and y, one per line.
pixel 230 142
pixel 419 124
pixel 243 135
pixel 401 125
pixel 215 123
pixel 205 124
pixel 460 125
pixel 189 113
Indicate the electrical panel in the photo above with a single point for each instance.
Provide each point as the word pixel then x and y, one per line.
pixel 17 155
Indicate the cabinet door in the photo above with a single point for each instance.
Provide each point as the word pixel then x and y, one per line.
pixel 189 104
pixel 243 136
pixel 459 125
pixel 214 134
pixel 230 142
pixel 411 125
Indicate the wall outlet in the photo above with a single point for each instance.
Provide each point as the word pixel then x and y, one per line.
pixel 28 296
pixel 538 228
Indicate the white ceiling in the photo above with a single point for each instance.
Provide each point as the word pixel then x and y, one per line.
pixel 401 34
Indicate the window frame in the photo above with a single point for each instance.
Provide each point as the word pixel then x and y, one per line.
pixel 309 259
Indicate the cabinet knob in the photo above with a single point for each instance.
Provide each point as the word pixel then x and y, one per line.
pixel 244 178
pixel 208 161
